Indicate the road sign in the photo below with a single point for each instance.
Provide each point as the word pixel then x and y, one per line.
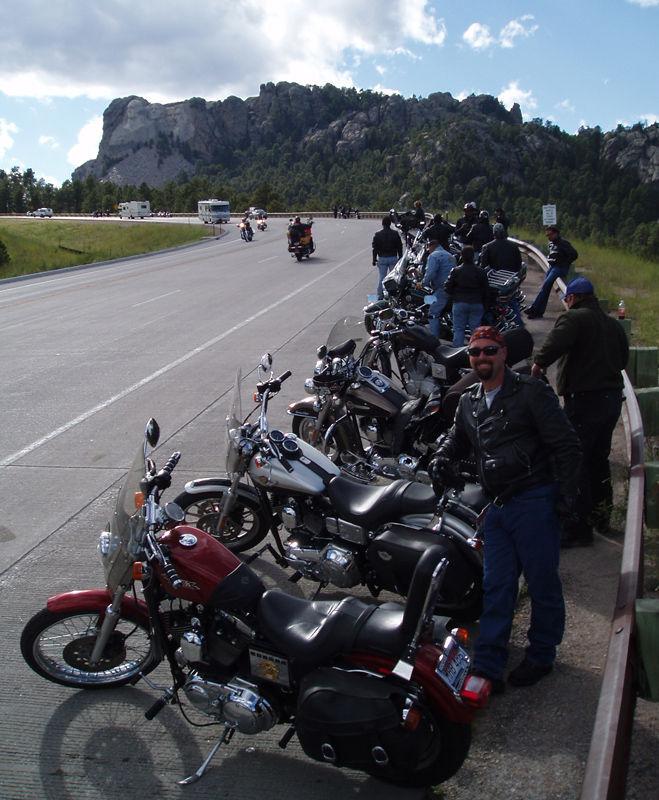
pixel 549 215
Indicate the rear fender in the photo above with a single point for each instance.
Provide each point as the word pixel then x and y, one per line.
pixel 303 408
pixel 95 599
pixel 440 696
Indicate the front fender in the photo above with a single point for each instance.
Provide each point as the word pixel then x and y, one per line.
pixel 201 485
pixel 303 408
pixel 96 600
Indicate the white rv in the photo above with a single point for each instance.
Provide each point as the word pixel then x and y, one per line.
pixel 135 208
pixel 214 211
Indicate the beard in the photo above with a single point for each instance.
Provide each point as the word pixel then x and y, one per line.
pixel 484 370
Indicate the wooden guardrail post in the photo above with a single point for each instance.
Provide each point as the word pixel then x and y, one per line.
pixel 643 366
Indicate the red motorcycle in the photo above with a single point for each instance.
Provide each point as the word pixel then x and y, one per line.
pixel 363 686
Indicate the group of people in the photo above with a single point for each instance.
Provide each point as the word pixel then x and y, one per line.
pixel 463 285
pixel 543 466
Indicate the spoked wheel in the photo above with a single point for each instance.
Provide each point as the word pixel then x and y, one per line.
pixel 246 526
pixel 376 358
pixel 442 746
pixel 305 428
pixel 58 647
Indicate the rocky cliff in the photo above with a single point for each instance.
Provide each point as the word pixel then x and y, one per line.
pixel 154 143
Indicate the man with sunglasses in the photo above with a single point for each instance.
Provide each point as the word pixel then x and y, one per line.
pixel 528 458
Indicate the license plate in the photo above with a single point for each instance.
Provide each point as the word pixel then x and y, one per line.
pixel 453 666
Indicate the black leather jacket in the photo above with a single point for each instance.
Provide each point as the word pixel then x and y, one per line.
pixel 523 441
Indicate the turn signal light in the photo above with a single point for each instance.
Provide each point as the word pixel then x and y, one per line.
pixel 139 570
pixel 460 634
pixel 476 691
pixel 139 500
pixel 412 719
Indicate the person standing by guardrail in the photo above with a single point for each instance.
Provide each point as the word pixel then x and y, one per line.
pixel 528 459
pixel 592 350
pixel 387 249
pixel 561 255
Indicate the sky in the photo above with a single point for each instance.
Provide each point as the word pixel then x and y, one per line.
pixel 62 62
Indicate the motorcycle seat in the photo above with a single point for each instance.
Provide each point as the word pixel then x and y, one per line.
pixel 342 349
pixel 370 506
pixel 451 357
pixel 312 631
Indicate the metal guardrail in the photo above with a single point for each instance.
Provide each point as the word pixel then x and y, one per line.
pixel 605 775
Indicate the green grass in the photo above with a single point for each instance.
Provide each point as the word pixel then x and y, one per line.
pixel 40 245
pixel 616 276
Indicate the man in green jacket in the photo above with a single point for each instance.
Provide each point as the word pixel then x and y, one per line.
pixel 591 349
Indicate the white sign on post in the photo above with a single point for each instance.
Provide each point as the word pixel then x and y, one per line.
pixel 549 215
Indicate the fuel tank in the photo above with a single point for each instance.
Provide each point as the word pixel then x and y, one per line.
pixel 211 575
pixel 297 467
pixel 374 394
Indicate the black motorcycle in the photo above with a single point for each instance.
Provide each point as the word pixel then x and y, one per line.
pixel 335 530
pixel 300 242
pixel 246 230
pixel 364 420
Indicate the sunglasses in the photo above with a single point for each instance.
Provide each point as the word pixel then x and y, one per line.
pixel 490 350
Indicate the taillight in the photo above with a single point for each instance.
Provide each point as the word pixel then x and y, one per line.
pixel 476 691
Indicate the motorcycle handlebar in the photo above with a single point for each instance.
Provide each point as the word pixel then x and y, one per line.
pixel 173 461
pixel 171 573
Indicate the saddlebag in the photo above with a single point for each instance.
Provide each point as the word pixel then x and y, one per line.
pixel 354 720
pixel 395 553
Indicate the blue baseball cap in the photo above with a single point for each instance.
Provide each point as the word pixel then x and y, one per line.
pixel 578 286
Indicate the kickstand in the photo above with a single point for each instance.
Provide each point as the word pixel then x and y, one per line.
pixel 320 588
pixel 228 733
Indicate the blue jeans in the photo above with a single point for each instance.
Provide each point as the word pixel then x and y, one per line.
pixel 435 310
pixel 385 265
pixel 540 302
pixel 522 535
pixel 465 314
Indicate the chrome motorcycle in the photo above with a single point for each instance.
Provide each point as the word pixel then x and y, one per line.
pixel 327 527
pixel 377 688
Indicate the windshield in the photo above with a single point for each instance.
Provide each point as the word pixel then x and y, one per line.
pixel 234 421
pixel 348 328
pixel 126 527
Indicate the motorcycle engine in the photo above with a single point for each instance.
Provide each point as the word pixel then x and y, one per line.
pixel 332 563
pixel 237 702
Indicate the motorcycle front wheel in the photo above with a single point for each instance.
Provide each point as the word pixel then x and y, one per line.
pixel 57 646
pixel 376 358
pixel 442 745
pixel 305 428
pixel 246 526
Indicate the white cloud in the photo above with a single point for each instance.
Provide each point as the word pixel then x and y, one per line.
pixel 6 139
pixel 514 29
pixel 49 141
pixel 89 138
pixel 479 37
pixel 514 94
pixel 650 119
pixel 383 89
pixel 644 3
pixel 117 48
pixel 565 105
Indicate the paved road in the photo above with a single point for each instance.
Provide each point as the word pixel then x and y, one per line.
pixel 87 357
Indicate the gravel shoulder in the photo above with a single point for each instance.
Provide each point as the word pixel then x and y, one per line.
pixel 533 743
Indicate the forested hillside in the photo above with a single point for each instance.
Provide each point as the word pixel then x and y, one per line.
pixel 295 147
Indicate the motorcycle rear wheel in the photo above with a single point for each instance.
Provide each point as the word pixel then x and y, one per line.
pixel 57 646
pixel 299 256
pixel 443 747
pixel 247 524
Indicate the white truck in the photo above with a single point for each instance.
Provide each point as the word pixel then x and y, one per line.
pixel 214 211
pixel 135 209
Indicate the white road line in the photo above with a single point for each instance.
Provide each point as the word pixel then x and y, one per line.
pixel 101 406
pixel 144 302
pixel 267 259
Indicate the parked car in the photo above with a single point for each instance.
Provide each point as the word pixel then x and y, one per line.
pixel 254 213
pixel 43 212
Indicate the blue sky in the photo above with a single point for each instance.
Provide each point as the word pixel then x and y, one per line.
pixel 63 61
